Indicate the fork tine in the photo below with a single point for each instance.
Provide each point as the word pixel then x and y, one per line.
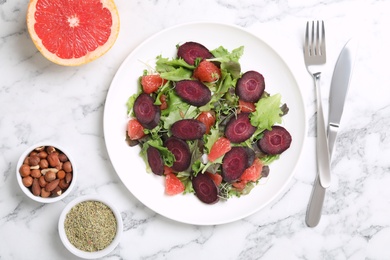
pixel 323 49
pixel 318 40
pixel 307 46
pixel 314 40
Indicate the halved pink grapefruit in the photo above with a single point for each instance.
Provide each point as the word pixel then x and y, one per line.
pixel 73 32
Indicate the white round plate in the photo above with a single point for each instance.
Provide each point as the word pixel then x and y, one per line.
pixel 149 188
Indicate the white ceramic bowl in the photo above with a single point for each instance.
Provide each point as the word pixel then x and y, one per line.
pixel 84 254
pixel 27 191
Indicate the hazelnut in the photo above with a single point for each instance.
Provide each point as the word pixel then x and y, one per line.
pixel 33 160
pixel 52 185
pixel 62 157
pixel 50 176
pixel 35 173
pixel 33 153
pixel 24 170
pixel 35 188
pixel 67 166
pixel 42 154
pixel 42 181
pixel 27 181
pixel 50 149
pixel 56 192
pixel 61 174
pixel 68 177
pixel 43 164
pixel 63 185
pixel 53 160
pixel 45 193
pixel 59 166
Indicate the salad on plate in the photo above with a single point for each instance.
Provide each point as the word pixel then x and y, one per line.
pixel 204 125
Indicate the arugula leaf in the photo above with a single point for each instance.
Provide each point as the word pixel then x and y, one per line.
pixel 267 112
pixel 211 138
pixel 177 110
pixel 223 55
pixel 268 159
pixel 173 69
pixel 165 64
pixel 184 177
pixel 229 60
pixel 130 103
pixel 177 74
pixel 167 156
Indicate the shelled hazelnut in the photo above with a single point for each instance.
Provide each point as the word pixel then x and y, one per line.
pixel 46 171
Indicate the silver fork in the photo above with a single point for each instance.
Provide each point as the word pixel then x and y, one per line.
pixel 315 56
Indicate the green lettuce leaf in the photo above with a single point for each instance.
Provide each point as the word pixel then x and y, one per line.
pixel 177 110
pixel 268 112
pixel 177 74
pixel 229 60
pixel 165 64
pixel 223 55
pixel 166 155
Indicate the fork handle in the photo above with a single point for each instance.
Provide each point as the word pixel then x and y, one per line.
pixel 323 160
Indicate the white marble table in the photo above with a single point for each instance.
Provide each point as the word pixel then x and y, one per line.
pixel 42 101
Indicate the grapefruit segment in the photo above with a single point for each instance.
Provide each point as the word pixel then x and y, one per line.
pixel 219 148
pixel 72 33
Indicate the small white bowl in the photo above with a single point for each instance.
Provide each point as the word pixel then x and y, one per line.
pixel 27 191
pixel 81 253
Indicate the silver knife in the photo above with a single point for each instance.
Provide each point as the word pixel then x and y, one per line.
pixel 338 91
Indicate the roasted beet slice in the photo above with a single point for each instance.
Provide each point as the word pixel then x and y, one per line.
pixel 239 128
pixel 251 155
pixel 146 112
pixel 155 160
pixel 188 129
pixel 193 92
pixel 275 141
pixel 234 163
pixel 250 86
pixel 189 51
pixel 155 120
pixel 181 152
pixel 205 188
pixel 265 171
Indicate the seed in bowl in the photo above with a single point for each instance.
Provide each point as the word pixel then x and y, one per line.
pixel 90 226
pixel 46 171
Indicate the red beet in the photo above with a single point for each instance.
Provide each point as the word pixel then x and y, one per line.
pixel 205 188
pixel 188 129
pixel 193 92
pixel 189 51
pixel 250 86
pixel 239 128
pixel 265 171
pixel 155 160
pixel 181 152
pixel 146 112
pixel 155 120
pixel 251 155
pixel 234 163
pixel 275 141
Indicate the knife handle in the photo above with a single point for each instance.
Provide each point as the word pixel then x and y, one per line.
pixel 323 160
pixel 314 209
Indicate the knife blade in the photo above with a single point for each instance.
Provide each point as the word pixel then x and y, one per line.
pixel 338 92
